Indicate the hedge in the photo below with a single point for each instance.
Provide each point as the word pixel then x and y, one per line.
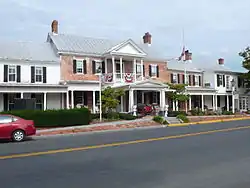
pixel 55 118
pixel 114 115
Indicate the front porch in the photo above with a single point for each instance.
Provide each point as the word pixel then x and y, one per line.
pixel 37 96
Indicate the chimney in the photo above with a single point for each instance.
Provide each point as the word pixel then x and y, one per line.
pixel 54 27
pixel 147 38
pixel 221 61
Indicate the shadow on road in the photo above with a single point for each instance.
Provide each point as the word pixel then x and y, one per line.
pixel 4 141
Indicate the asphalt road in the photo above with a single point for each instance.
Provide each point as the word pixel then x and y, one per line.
pixel 197 159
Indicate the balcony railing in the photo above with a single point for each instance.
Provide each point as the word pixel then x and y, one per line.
pixel 122 78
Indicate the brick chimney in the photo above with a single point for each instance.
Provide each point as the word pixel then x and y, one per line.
pixel 147 38
pixel 221 61
pixel 54 27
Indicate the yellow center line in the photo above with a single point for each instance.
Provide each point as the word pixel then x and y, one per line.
pixel 119 143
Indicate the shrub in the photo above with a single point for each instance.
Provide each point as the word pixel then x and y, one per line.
pixel 55 118
pixel 114 115
pixel 127 116
pixel 175 113
pixel 227 112
pixel 160 119
pixel 183 118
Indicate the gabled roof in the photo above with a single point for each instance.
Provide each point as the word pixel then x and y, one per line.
pixel 66 43
pixel 28 51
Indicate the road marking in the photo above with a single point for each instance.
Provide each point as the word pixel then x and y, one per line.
pixel 119 143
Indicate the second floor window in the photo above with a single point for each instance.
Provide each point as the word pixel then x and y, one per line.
pixel 220 80
pixel 12 73
pixel 153 70
pixel 196 80
pixel 97 67
pixel 138 69
pixel 79 66
pixel 39 74
pixel 227 82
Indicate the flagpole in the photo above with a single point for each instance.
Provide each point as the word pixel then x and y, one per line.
pixel 185 69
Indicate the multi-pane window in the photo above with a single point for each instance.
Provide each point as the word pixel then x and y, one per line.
pixel 153 70
pixel 196 80
pixel 175 78
pixel 79 66
pixel 39 74
pixel 12 73
pixel 138 69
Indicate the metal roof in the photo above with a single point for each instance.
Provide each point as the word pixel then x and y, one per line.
pixel 29 51
pixel 66 43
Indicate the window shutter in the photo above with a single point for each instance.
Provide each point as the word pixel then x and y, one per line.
pixel 5 101
pixel 190 80
pixel 74 66
pixel 103 67
pixel 200 81
pixel 149 71
pixel 183 79
pixel 172 78
pixel 18 71
pixel 218 80
pixel 239 81
pixel 84 67
pixel 218 101
pixel 193 80
pixel 44 75
pixel 93 67
pixel 178 78
pixel 157 71
pixel 32 96
pixel 5 74
pixel 143 70
pixel 32 74
pixel 224 81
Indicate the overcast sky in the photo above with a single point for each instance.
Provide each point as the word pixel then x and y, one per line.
pixel 213 28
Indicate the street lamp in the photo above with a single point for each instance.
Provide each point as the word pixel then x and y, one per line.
pixel 99 73
pixel 233 90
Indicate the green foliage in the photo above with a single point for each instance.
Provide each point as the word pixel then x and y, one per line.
pixel 55 118
pixel 183 118
pixel 114 116
pixel 179 93
pixel 175 113
pixel 110 98
pixel 197 112
pixel 160 119
pixel 227 112
pixel 245 54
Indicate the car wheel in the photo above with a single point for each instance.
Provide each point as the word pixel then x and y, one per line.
pixel 18 136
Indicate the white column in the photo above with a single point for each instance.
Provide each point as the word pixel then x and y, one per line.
pixel 142 69
pixel 162 100
pixel 131 100
pixel 21 95
pixel 122 103
pixel 213 102
pixel 106 65
pixel 174 105
pixel 44 101
pixel 233 105
pixel 121 69
pixel 93 103
pixel 202 103
pixel 190 103
pixel 67 100
pixel 134 70
pixel 227 102
pixel 72 99
pixel 114 72
pixel 216 102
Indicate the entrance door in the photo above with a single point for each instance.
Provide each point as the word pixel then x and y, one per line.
pixel 244 103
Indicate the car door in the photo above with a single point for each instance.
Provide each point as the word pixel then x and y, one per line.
pixel 5 126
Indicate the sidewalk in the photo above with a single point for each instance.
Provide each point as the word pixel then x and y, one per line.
pixel 145 122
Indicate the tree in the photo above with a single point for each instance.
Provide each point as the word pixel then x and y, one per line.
pixel 110 98
pixel 178 94
pixel 245 54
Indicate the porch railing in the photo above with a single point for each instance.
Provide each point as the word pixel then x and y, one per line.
pixel 122 78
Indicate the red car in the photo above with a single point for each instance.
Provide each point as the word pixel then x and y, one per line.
pixel 15 128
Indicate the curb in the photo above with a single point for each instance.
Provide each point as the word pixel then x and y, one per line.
pixel 208 122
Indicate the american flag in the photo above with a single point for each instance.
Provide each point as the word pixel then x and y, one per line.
pixel 182 56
